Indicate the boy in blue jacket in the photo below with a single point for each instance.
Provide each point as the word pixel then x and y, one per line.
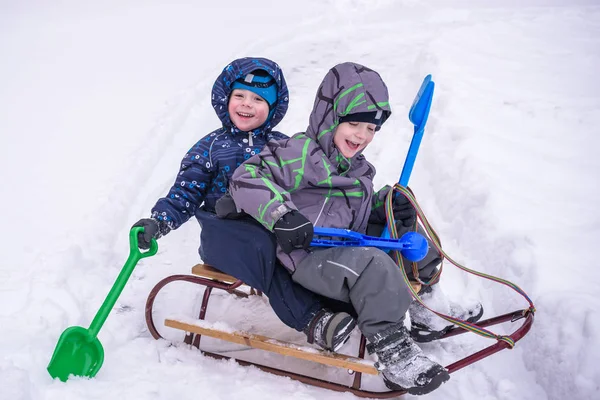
pixel 250 98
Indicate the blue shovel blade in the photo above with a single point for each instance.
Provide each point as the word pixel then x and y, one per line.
pixel 419 111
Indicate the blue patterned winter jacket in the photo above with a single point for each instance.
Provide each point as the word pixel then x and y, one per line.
pixel 208 166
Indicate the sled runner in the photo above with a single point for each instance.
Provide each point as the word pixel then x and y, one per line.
pixel 211 278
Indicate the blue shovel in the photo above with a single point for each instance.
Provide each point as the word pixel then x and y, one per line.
pixel 412 245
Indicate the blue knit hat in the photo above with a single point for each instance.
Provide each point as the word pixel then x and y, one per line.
pixel 261 83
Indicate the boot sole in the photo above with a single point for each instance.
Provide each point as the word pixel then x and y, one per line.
pixel 421 334
pixel 436 382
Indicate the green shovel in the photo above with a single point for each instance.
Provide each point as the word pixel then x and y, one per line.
pixel 78 351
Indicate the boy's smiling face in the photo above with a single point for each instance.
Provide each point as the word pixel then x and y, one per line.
pixel 247 110
pixel 352 137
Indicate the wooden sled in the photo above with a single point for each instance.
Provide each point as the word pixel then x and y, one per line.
pixel 212 278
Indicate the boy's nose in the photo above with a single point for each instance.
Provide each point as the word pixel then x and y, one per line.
pixel 361 132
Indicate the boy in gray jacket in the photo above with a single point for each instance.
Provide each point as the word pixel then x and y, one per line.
pixel 321 178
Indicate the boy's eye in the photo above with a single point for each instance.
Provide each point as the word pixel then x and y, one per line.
pixel 353 123
pixel 258 98
pixel 239 95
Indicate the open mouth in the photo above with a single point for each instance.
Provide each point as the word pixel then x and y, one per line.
pixel 352 145
pixel 245 115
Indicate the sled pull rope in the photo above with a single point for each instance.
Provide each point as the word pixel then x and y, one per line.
pixel 437 244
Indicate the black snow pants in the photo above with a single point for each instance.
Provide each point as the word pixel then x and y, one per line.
pixel 246 250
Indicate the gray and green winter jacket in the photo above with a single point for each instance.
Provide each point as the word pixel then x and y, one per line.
pixel 307 172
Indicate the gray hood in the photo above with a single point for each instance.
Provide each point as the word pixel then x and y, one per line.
pixel 347 88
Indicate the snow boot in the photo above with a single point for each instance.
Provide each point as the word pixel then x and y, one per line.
pixel 426 326
pixel 403 364
pixel 330 330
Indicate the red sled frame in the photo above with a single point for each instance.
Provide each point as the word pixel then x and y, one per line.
pixel 210 284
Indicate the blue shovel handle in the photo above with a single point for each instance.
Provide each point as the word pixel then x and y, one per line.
pixel 412 245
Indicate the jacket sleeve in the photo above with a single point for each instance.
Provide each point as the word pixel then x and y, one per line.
pixel 190 188
pixel 261 185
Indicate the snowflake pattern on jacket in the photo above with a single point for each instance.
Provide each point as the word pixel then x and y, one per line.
pixel 207 167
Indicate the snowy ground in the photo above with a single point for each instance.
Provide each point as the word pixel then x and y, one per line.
pixel 99 103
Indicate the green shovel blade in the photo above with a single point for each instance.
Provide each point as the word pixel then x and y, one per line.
pixel 77 353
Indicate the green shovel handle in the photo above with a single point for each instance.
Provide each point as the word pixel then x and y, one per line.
pixel 135 255
pixel 133 245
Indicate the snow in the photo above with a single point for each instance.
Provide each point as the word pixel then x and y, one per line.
pixel 100 102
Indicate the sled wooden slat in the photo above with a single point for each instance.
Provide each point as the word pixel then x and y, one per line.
pixel 277 346
pixel 207 271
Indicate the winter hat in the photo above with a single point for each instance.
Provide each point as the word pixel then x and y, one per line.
pixel 261 83
pixel 372 117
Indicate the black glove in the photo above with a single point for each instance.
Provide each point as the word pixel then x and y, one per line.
pixel 226 208
pixel 151 231
pixel 403 210
pixel 293 231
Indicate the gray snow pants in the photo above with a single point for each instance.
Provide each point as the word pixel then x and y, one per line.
pixel 365 277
